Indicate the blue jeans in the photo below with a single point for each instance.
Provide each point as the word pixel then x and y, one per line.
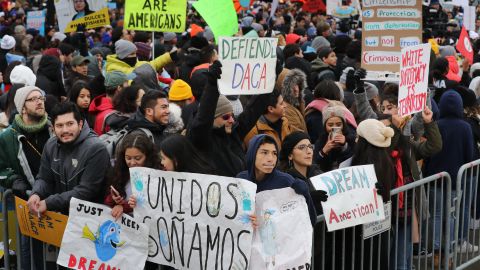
pixel 437 205
pixel 402 245
pixel 468 188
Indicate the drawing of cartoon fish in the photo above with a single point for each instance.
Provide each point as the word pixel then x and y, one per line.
pixel 106 239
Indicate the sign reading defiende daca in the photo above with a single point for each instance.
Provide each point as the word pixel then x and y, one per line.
pixel 156 15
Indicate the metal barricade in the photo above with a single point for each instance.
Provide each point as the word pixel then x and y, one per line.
pixel 467 239
pixel 411 214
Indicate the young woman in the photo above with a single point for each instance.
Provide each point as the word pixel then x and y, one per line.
pixel 125 104
pixel 81 95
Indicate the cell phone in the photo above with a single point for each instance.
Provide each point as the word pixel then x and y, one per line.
pixel 334 132
pixel 114 191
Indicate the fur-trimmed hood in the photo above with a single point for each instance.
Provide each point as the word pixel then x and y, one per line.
pixel 294 77
pixel 175 122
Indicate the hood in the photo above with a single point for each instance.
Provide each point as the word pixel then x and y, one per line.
pixel 50 67
pixel 175 122
pixel 100 104
pixel 146 78
pixel 318 64
pixel 253 146
pixel 453 69
pixel 138 120
pixel 451 105
pixel 294 77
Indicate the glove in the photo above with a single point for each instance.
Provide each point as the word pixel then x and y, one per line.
pixel 214 72
pixel 379 187
pixel 319 195
pixel 358 76
pixel 20 187
pixel 350 82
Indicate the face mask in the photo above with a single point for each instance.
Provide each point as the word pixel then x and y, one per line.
pixel 131 61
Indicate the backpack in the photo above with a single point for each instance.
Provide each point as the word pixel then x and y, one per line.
pixel 114 138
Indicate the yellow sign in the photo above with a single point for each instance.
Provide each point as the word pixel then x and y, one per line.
pixel 48 228
pixel 156 15
pixel 96 19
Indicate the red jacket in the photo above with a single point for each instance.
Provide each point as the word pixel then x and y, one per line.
pixel 100 107
pixel 453 69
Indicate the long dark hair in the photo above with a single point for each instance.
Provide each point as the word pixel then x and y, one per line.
pixel 121 173
pixel 366 153
pixel 185 156
pixel 77 88
pixel 125 100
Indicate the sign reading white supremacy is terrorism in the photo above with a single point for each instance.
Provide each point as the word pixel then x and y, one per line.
pixel 196 221
pixel 94 240
pixel 352 197
pixel 248 65
pixel 283 239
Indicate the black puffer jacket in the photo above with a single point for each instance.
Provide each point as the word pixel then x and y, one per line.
pixel 49 76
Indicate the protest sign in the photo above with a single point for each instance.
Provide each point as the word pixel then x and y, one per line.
pixel 248 65
pixel 464 46
pixel 48 228
pixel 469 17
pixel 283 239
pixel 96 19
pixel 196 221
pixel 222 19
pixel 388 26
pixel 94 240
pixel 68 10
pixel 413 87
pixel 36 20
pixel 378 227
pixel 156 15
pixel 352 197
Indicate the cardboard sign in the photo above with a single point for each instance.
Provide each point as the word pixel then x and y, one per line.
pixel 94 240
pixel 248 65
pixel 389 26
pixel 97 19
pixel 413 87
pixel 196 221
pixel 48 228
pixel 155 15
pixel 222 18
pixel 67 11
pixel 378 227
pixel 352 197
pixel 283 239
pixel 36 20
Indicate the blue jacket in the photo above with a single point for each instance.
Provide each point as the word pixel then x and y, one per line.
pixel 276 179
pixel 456 136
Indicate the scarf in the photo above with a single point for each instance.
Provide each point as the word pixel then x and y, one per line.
pixel 31 128
pixel 397 156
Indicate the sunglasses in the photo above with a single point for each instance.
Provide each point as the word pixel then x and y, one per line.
pixel 227 116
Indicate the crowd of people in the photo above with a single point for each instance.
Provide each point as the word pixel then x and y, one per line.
pixel 79 109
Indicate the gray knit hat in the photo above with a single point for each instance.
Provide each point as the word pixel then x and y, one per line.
pixel 320 42
pixel 22 94
pixel 223 106
pixel 114 79
pixel 123 48
pixel 371 90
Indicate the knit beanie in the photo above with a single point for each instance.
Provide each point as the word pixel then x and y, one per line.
pixel 447 51
pixel 371 90
pixel 290 141
pixel 223 106
pixel 7 43
pixel 143 50
pixel 123 48
pixel 22 75
pixel 375 132
pixel 332 111
pixel 114 79
pixel 180 90
pixel 320 42
pixel 22 94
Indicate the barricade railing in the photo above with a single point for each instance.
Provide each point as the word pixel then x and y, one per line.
pixel 467 238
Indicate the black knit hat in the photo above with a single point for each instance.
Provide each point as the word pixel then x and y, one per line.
pixel 289 143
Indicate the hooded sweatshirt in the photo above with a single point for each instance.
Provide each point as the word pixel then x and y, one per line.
pixel 456 136
pixel 101 107
pixel 49 76
pixel 276 179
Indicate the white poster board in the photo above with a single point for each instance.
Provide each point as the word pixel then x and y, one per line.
pixel 248 65
pixel 93 239
pixel 283 239
pixel 196 221
pixel 352 197
pixel 413 87
pixel 378 227
pixel 65 10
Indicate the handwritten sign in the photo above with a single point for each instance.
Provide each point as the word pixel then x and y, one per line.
pixel 413 87
pixel 94 240
pixel 282 216
pixel 155 15
pixel 388 26
pixel 248 65
pixel 97 19
pixel 196 221
pixel 352 197
pixel 48 228
pixel 36 20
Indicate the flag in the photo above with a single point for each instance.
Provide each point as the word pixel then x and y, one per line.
pixel 464 46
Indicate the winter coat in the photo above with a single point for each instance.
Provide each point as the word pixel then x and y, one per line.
pixel 321 71
pixel 456 136
pixel 336 155
pixel 101 107
pixel 263 126
pixel 49 76
pixel 227 149
pixel 295 106
pixel 276 179
pixel 189 62
pixel 73 78
pixel 72 170
pixel 146 78
pixel 113 63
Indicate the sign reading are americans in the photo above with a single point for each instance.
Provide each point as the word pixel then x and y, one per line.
pixel 352 197
pixel 94 240
pixel 248 65
pixel 196 221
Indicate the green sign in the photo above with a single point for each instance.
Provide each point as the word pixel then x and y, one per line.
pixel 156 15
pixel 220 15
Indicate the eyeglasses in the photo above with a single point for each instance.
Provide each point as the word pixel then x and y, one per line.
pixel 304 147
pixel 227 116
pixel 35 99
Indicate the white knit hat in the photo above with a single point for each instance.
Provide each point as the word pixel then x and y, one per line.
pixel 7 43
pixel 22 94
pixel 375 132
pixel 22 75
